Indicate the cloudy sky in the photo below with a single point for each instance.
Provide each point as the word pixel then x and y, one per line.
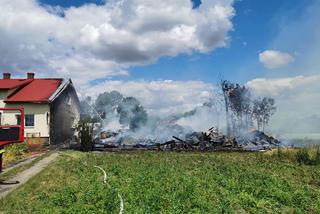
pixel 170 53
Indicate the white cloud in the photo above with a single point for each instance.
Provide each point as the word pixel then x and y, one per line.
pixel 85 69
pixel 297 100
pixel 272 59
pixel 106 40
pixel 160 97
pixel 282 86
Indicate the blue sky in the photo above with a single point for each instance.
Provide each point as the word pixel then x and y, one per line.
pixel 256 24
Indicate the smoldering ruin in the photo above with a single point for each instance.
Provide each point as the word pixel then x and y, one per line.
pixel 120 123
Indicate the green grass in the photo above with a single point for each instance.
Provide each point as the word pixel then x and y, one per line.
pixel 152 182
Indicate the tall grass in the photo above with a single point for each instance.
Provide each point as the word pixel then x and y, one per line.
pixel 306 155
pixel 14 152
pixel 18 151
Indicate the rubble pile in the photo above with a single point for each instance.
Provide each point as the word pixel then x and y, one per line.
pixel 201 141
pixel 258 140
pixel 211 140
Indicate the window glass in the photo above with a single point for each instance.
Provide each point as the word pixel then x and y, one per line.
pixel 18 117
pixel 29 119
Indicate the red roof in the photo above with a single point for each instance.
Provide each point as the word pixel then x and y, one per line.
pixel 13 83
pixel 36 90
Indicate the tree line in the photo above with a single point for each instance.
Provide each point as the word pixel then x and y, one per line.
pixel 112 104
pixel 242 109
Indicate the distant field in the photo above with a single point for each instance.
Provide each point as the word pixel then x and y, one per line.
pixel 310 136
pixel 312 140
pixel 152 182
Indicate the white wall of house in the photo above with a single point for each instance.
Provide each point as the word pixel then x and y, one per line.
pixel 3 96
pixel 41 114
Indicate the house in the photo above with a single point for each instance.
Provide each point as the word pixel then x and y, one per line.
pixel 51 106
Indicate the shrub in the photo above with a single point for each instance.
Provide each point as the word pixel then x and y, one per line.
pixel 16 149
pixel 14 152
pixel 35 144
pixel 303 156
pixel 85 133
pixel 317 158
pixel 280 153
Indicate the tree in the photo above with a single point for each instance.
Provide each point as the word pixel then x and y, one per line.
pixel 269 110
pixel 238 100
pixel 87 110
pixel 257 112
pixel 240 103
pixel 108 102
pixel 111 105
pixel 241 109
pixel 139 117
pixel 85 134
pixel 132 113
pixel 226 86
pixel 263 109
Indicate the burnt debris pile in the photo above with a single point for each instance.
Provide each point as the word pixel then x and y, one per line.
pixel 201 141
pixel 212 140
pixel 258 140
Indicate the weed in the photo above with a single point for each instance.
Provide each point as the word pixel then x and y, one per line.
pixel 303 156
pixel 317 157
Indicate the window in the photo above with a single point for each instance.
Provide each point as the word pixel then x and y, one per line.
pixel 18 117
pixel 29 119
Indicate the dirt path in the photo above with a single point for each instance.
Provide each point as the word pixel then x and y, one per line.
pixel 24 176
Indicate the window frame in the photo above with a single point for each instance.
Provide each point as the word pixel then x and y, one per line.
pixel 18 118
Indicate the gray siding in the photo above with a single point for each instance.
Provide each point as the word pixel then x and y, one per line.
pixel 64 114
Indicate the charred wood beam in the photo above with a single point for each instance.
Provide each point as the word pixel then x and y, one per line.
pixel 178 139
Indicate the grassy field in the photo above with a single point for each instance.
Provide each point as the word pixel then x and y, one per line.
pixel 151 182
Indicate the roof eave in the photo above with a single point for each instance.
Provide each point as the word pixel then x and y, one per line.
pixel 26 101
pixel 64 84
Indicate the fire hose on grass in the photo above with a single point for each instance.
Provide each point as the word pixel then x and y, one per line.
pixel 121 206
pixel 105 181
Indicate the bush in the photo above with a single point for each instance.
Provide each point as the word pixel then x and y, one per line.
pixel 35 144
pixel 280 153
pixel 14 152
pixel 303 156
pixel 317 158
pixel 85 133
